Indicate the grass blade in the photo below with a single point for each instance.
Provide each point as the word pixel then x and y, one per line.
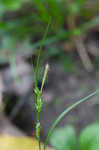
pixel 39 54
pixel 64 113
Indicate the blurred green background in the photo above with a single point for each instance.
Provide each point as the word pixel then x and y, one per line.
pixel 23 22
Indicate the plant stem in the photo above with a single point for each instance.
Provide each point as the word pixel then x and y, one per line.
pixel 38 93
pixel 64 113
pixel 39 54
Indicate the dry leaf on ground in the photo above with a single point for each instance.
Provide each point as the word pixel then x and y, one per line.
pixel 18 143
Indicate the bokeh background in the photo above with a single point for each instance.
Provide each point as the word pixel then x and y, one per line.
pixel 71 49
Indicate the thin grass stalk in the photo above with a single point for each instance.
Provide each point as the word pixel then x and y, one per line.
pixel 38 93
pixel 64 113
pixel 39 54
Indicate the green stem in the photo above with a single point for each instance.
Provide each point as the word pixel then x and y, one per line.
pixel 39 143
pixel 38 130
pixel 39 54
pixel 64 113
pixel 38 134
pixel 38 94
pixel 37 116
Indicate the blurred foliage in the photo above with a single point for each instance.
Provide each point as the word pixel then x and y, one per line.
pixel 89 138
pixel 21 18
pixel 24 21
pixel 66 139
pixel 67 63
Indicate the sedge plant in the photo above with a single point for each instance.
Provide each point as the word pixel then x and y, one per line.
pixel 39 101
pixel 38 92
